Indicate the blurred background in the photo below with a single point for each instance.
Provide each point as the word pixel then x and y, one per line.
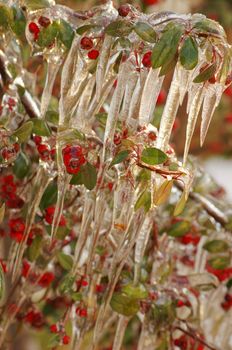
pixel 216 153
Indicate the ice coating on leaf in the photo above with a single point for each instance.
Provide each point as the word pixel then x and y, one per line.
pixel 169 113
pixel 211 101
pixel 196 96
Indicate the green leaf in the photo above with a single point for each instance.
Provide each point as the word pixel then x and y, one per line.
pixel 216 246
pixel 168 66
pixel 145 31
pixel 219 262
pixel 87 27
pixel 21 166
pixel 189 54
pixel 6 16
pixel 76 296
pixel 229 283
pixel 18 24
pixel 135 292
pixel 49 197
pixel 124 305
pixel 65 261
pixel 165 50
pixel 52 117
pixel 2 212
pixel 120 157
pixel 179 229
pixel 209 26
pixel 2 284
pixel 153 156
pixel 206 74
pixel 66 33
pixel 66 285
pixel 35 248
pixel 119 28
pixel 23 133
pixel 144 201
pixel 40 128
pixel 36 4
pixel 47 35
pixel 163 314
pixel 87 176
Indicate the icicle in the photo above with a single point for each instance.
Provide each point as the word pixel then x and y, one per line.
pixel 136 98
pixel 142 238
pixel 102 65
pixel 120 331
pixel 169 113
pixel 74 79
pixel 211 101
pixel 141 243
pixel 80 120
pixel 184 76
pixel 40 184
pixel 52 70
pixel 62 184
pixel 149 97
pixel 198 92
pixel 116 102
pixel 131 83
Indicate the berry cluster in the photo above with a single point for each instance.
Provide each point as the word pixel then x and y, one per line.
pixel 88 44
pixel 35 28
pixel 73 158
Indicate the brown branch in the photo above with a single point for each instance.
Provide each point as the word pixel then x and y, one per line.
pixel 211 209
pixel 194 336
pixel 162 172
pixel 28 103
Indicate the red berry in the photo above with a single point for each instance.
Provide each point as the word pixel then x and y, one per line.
pixel 93 54
pixel 44 21
pixel 190 238
pixel 37 139
pixel 146 61
pixel 66 339
pixel 228 118
pixel 150 2
pixel 34 29
pixel 161 98
pixel 84 283
pixel 152 135
pixel 44 152
pixel 46 279
pixel 53 328
pixel 86 43
pixel 124 10
pixel 83 313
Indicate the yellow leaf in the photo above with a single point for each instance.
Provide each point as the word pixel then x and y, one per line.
pixel 163 192
pixel 180 204
pixel 2 212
